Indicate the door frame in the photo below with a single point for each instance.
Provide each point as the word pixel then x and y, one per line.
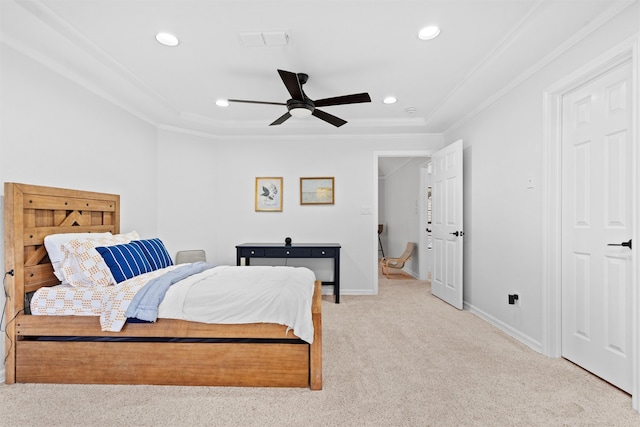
pixel 426 256
pixel 552 202
pixel 374 239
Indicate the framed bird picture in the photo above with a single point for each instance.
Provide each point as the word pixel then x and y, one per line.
pixel 268 194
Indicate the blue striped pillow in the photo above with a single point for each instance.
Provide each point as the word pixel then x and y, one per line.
pixel 124 261
pixel 155 251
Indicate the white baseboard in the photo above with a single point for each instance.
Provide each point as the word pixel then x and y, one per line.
pixel 413 274
pixel 328 290
pixel 523 338
pixel 356 292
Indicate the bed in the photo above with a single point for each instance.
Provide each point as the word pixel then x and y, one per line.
pixel 75 349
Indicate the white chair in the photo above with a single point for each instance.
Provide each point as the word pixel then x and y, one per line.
pixel 183 257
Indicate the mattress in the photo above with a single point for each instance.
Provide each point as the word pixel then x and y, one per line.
pixel 223 294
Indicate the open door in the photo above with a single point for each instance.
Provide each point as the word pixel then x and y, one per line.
pixel 446 282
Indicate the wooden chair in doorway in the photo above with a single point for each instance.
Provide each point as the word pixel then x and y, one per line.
pixel 399 262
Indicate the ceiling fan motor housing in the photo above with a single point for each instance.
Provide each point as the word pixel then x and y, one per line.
pixel 299 108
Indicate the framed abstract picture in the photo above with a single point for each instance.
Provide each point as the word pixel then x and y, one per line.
pixel 268 194
pixel 317 191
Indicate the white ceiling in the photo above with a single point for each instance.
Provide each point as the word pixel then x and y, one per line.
pixel 346 46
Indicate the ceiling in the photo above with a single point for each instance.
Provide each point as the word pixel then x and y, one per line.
pixel 345 46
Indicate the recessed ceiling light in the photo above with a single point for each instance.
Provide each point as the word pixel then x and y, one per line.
pixel 428 33
pixel 390 100
pixel 222 103
pixel 167 39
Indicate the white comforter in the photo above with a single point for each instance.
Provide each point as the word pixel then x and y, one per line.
pixel 224 294
pixel 256 294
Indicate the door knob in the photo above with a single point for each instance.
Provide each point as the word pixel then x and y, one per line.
pixel 458 233
pixel 625 244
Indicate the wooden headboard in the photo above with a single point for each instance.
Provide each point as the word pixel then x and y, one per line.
pixel 32 212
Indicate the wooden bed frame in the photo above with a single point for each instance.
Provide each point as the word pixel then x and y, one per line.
pixel 269 358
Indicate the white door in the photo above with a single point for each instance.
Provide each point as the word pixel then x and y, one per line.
pixel 596 212
pixel 446 281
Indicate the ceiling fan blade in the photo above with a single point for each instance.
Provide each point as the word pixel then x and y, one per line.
pixel 281 119
pixel 256 102
pixel 346 99
pixel 292 83
pixel 336 121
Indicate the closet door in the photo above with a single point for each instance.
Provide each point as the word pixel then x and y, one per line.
pixel 597 195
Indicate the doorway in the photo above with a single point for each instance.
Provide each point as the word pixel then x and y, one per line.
pixel 399 210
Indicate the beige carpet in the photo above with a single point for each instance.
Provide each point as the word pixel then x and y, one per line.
pixel 403 358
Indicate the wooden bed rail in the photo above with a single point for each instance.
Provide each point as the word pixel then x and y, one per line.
pixel 303 361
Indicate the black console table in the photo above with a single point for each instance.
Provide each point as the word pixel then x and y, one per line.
pixel 298 250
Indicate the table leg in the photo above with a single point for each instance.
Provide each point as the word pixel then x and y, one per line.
pixel 336 279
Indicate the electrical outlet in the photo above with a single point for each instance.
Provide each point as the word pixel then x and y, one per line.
pixel 514 299
pixel 531 182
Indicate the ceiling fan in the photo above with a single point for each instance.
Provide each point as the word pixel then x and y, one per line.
pixel 300 105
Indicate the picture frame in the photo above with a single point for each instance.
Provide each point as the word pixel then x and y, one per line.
pixel 317 191
pixel 268 195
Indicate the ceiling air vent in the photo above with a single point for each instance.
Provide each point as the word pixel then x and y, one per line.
pixel 264 38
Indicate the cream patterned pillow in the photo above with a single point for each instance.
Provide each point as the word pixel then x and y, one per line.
pixel 82 265
pixel 53 243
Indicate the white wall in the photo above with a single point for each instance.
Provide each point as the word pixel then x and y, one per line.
pixel 503 218
pixel 189 205
pixel 227 169
pixel 58 134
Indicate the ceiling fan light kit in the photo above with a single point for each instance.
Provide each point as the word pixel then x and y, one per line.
pixel 300 109
pixel 300 105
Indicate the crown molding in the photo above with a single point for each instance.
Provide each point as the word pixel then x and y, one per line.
pixel 594 25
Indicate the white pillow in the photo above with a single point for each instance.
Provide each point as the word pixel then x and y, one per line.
pixel 53 243
pixel 82 265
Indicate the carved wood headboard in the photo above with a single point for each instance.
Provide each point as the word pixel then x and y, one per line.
pixel 32 212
